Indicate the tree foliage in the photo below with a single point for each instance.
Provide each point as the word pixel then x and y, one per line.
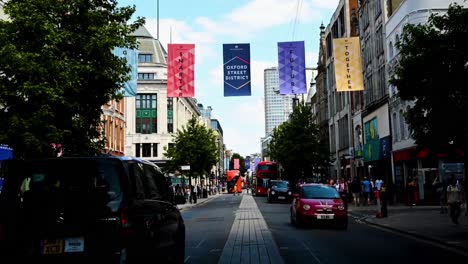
pixel 57 70
pixel 432 71
pixel 297 147
pixel 194 145
pixel 242 169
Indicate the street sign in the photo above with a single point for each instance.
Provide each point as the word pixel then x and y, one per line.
pixel 185 167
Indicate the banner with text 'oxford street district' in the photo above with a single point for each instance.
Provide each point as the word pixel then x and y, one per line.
pixel 180 70
pixel 236 69
pixel 291 67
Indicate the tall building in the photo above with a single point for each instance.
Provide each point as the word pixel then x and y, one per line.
pixel 152 117
pixel 343 107
pixel 277 107
pixel 376 147
pixel 407 160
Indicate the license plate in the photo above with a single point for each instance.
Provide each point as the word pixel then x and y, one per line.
pixel 325 216
pixel 52 246
pixel 74 244
pixel 281 197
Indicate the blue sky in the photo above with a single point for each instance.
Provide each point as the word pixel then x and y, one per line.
pixel 210 23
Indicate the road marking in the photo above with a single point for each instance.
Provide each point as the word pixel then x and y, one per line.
pixel 434 244
pixel 187 258
pixel 284 248
pixel 201 242
pixel 311 252
pixel 215 250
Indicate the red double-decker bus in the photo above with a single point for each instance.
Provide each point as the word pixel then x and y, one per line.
pixel 234 179
pixel 265 170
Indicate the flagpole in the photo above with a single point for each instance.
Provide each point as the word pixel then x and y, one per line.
pixel 157 10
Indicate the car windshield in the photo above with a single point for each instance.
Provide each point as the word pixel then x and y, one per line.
pixel 319 192
pixel 279 184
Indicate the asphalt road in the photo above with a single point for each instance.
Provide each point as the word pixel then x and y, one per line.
pixel 361 243
pixel 207 228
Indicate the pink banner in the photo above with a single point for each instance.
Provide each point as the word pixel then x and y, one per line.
pixel 236 164
pixel 180 70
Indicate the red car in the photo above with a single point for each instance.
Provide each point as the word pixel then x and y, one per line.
pixel 318 203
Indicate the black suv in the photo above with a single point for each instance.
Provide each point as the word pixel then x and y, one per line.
pixel 278 190
pixel 110 209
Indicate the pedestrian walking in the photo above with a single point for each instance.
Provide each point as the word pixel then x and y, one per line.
pixel 343 191
pixel 454 199
pixel 355 188
pixel 195 193
pixel 412 192
pixel 366 189
pixel 441 191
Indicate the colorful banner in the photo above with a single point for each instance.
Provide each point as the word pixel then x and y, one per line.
pixel 180 70
pixel 372 141
pixel 348 64
pixel 291 67
pixel 236 69
pixel 129 88
pixel 236 164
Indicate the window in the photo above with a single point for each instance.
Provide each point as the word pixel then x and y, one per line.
pixel 137 150
pixel 320 192
pixel 144 58
pixel 395 128
pixel 146 113
pixel 402 124
pixel 170 115
pixel 155 149
pixel 406 124
pixel 390 50
pixel 379 41
pixel 145 76
pixel 146 150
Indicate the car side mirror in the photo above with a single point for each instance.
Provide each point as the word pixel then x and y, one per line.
pixel 295 195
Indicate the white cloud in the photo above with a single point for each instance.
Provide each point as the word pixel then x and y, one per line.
pixel 311 59
pixel 326 4
pixel 176 31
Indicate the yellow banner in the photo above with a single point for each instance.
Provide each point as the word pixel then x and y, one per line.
pixel 348 64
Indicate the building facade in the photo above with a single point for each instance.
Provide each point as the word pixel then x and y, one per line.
pixel 409 161
pixel 152 117
pixel 375 129
pixel 341 106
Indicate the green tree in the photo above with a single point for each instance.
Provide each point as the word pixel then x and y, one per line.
pixel 194 145
pixel 241 163
pixel 57 70
pixel 432 71
pixel 297 147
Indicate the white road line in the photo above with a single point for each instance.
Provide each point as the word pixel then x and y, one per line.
pixel 187 258
pixel 438 245
pixel 201 242
pixel 311 252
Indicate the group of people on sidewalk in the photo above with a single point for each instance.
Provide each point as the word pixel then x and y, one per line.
pixel 194 192
pixel 450 195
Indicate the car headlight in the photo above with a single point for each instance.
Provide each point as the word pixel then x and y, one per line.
pixel 306 207
pixel 272 192
pixel 341 207
pixel 289 193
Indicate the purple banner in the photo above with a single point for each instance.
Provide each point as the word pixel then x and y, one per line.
pixel 291 67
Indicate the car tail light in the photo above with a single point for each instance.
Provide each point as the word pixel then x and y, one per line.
pixel 125 223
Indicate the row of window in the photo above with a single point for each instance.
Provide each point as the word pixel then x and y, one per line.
pixel 146 118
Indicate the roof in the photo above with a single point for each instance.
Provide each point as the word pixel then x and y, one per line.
pixel 147 44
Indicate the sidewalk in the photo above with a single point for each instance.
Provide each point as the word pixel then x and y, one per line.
pixel 250 240
pixel 199 201
pixel 424 222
